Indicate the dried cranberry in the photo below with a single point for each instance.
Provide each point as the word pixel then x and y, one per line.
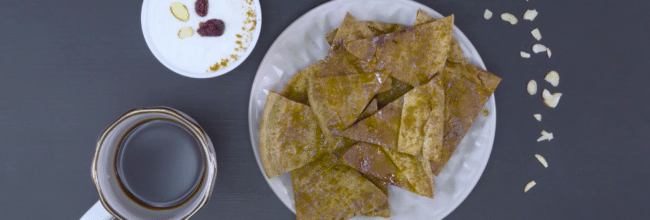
pixel 201 7
pixel 212 27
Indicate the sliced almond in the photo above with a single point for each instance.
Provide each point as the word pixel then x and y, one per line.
pixel 536 34
pixel 532 87
pixel 530 15
pixel 509 18
pixel 179 11
pixel 542 160
pixel 545 136
pixel 487 15
pixel 553 78
pixel 538 48
pixel 529 185
pixel 524 54
pixel 538 117
pixel 548 52
pixel 185 32
pixel 551 100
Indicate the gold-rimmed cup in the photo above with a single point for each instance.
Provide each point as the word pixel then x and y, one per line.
pixel 114 202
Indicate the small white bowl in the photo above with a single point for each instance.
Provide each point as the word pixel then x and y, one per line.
pixel 182 61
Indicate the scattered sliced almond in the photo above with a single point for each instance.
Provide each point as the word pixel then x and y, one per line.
pixel 532 87
pixel 542 160
pixel 536 34
pixel 180 11
pixel 529 185
pixel 530 15
pixel 524 54
pixel 551 100
pixel 548 52
pixel 185 32
pixel 545 136
pixel 553 78
pixel 487 15
pixel 538 117
pixel 509 18
pixel 538 48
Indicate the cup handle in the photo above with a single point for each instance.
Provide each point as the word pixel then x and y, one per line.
pixel 97 212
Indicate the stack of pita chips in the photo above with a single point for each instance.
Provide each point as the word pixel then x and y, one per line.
pixel 388 105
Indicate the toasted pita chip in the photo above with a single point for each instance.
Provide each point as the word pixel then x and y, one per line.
pixel 417 171
pixel 434 127
pixel 386 85
pixel 371 160
pixel 362 49
pixel 340 62
pixel 467 89
pixel 384 209
pixel 289 136
pixel 296 90
pixel 325 189
pixel 415 54
pixel 297 87
pixel 382 128
pixel 351 29
pixel 339 100
pixel 422 121
pixel 398 88
pixel 371 109
pixel 329 37
pixel 377 28
pixel 455 53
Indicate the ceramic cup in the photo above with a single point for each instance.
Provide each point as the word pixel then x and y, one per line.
pixel 113 201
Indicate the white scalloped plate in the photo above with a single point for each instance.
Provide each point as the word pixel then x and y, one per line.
pixel 302 44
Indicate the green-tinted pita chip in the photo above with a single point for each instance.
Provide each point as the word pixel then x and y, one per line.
pixel 434 127
pixel 421 124
pixel 289 136
pixel 351 29
pixel 414 54
pixel 398 88
pixel 371 109
pixel 467 89
pixel 338 101
pixel 297 87
pixel 325 189
pixel 371 160
pixel 455 53
pixel 417 170
pixel 377 28
pixel 384 209
pixel 382 128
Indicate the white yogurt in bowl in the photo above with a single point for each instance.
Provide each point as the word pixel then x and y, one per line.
pixel 197 56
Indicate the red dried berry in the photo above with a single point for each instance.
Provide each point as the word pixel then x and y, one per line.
pixel 212 27
pixel 201 7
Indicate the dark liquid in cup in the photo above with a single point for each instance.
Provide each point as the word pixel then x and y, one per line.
pixel 159 164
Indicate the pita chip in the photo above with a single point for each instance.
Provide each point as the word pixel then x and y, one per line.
pixel 324 189
pixel 289 136
pixel 467 89
pixel 414 54
pixel 420 132
pixel 338 101
pixel 371 160
pixel 417 171
pixel 382 128
pixel 455 53
pixel 297 87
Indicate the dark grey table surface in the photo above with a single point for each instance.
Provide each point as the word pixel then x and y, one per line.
pixel 70 68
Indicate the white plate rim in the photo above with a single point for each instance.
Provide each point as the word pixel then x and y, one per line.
pixel 457 33
pixel 202 75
